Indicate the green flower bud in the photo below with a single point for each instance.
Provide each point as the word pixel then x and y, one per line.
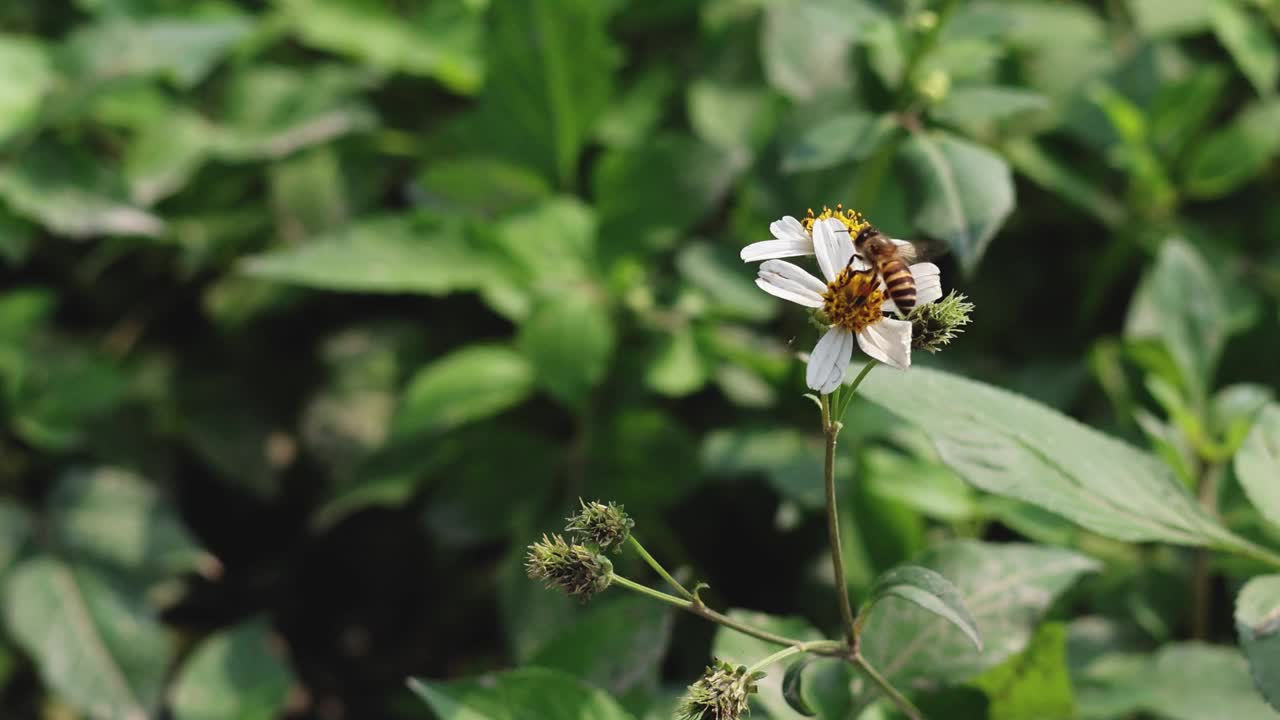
pixel 577 569
pixel 936 324
pixel 605 525
pixel 720 694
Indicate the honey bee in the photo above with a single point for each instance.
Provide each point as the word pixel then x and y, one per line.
pixel 889 258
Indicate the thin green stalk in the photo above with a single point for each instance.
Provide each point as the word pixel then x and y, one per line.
pixel 831 429
pixel 911 711
pixel 852 389
pixel 707 613
pixel 657 567
pixel 815 646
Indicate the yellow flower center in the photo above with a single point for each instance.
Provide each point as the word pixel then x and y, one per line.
pixel 853 300
pixel 852 219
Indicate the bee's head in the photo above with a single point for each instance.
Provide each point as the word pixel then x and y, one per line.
pixel 864 235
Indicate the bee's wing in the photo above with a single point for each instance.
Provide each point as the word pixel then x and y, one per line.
pixel 906 249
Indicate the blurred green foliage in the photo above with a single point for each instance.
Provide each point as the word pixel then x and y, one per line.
pixel 315 312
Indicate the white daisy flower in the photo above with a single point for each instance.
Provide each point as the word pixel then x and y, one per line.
pixel 853 299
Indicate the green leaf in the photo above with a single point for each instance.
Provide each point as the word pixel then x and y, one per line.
pixel 1252 47
pixel 1258 626
pixel 1180 303
pixel 1183 681
pixel 1061 177
pixel 25 64
pixel 568 340
pixel 234 673
pixel 15 529
pixel 967 193
pixel 792 686
pixel 544 248
pixel 1035 683
pixel 1183 108
pixel 836 139
pixel 481 186
pixel 1257 464
pixel 466 385
pixel 737 118
pixel 718 274
pixel 648 195
pixel 616 646
pixel 517 695
pixel 271 111
pixel 802 62
pixel 1170 18
pixel 71 194
pixel 930 591
pixel 97 647
pixel 969 106
pixel 1006 444
pixel 116 520
pixel 416 253
pixel 1007 587
pixel 828 684
pixel 551 70
pixel 677 368
pixel 165 154
pixel 182 50
pixel 440 40
pixel 791 460
pixel 1235 154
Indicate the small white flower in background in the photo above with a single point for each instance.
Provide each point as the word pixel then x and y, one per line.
pixel 853 299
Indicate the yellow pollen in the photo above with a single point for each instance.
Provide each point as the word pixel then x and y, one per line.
pixel 852 219
pixel 854 300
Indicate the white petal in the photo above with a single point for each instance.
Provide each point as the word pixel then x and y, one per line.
pixel 796 274
pixel 796 295
pixel 767 249
pixel 834 249
pixel 829 360
pixel 789 228
pixel 928 282
pixel 888 341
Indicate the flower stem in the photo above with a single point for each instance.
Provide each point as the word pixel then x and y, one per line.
pixel 657 567
pixel 911 711
pixel 825 647
pixel 815 646
pixel 831 429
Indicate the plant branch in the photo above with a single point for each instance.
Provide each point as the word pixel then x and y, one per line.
pixel 831 429
pixel 657 567
pixel 1201 590
pixel 911 711
pixel 702 611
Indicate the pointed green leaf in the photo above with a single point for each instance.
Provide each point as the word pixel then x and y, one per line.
pixel 929 590
pixel 1257 464
pixel 967 192
pixel 441 40
pixel 1006 444
pixel 236 673
pixel 1236 153
pixel 180 49
pixel 568 340
pixel 466 385
pixel 115 519
pixel 417 253
pixel 1181 303
pixel 551 67
pixel 1035 683
pixel 1007 587
pixel 617 646
pixel 1258 626
pixel 25 64
pixel 1250 43
pixel 792 686
pixel 518 695
pixel 96 646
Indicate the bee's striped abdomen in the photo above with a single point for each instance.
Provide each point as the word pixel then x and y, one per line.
pixel 900 284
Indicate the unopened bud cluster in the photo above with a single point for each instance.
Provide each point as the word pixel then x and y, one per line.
pixel 720 694
pixel 580 568
pixel 577 569
pixel 605 526
pixel 935 324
